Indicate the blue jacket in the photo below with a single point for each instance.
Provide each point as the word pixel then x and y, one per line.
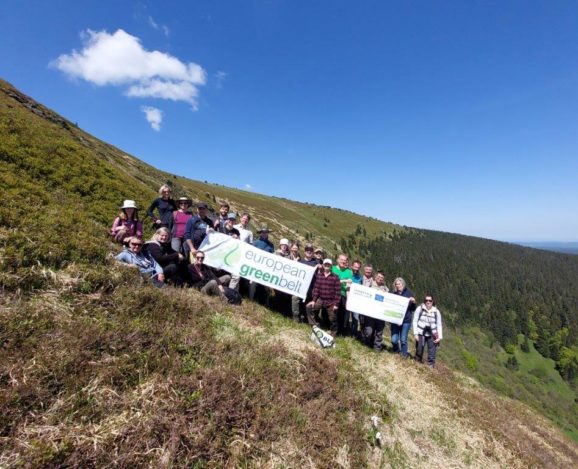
pixel 264 244
pixel 147 266
pixel 196 229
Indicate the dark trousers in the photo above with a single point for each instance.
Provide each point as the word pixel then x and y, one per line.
pixel 373 332
pixel 431 349
pixel 343 316
pixel 259 293
pixel 318 308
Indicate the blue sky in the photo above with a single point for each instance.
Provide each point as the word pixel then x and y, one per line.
pixel 458 116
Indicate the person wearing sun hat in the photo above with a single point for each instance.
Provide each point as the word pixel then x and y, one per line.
pixel 180 218
pixel 127 223
pixel 283 250
pixel 262 242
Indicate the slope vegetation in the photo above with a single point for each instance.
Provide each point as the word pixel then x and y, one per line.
pixel 97 368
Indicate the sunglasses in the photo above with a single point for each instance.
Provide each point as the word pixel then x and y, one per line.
pixel 200 258
pixel 136 244
pixel 428 301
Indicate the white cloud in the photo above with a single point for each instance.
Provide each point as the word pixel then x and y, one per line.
pixel 154 116
pixel 119 59
pixel 248 187
pixel 166 31
pixel 220 78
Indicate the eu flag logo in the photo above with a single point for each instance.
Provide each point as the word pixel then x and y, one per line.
pixel 379 298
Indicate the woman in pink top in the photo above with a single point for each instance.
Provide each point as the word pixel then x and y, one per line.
pixel 127 223
pixel 180 218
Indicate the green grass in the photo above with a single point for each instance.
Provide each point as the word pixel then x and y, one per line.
pixel 536 382
pixel 72 184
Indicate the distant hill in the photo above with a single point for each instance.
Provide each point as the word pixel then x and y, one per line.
pixel 565 248
pixel 97 369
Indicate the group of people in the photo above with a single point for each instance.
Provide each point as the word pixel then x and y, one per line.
pixel 173 256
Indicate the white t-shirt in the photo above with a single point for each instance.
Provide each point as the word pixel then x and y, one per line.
pixel 244 235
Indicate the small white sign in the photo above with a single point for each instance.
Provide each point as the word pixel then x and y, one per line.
pixel 322 338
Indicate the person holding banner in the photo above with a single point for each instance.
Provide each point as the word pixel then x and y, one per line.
pixel 345 275
pixel 196 229
pixel 373 328
pixel 296 302
pixel 326 296
pixel 399 333
pixel 246 235
pixel 283 300
pixel 219 223
pixel 427 329
pixel 357 278
pixel 263 243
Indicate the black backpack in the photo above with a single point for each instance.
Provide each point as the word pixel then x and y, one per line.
pixel 233 296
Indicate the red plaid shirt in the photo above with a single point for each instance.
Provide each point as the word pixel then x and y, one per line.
pixel 327 289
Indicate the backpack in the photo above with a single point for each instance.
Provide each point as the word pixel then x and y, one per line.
pixel 233 296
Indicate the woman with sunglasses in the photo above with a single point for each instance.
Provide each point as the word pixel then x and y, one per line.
pixel 133 256
pixel 427 329
pixel 180 218
pixel 203 278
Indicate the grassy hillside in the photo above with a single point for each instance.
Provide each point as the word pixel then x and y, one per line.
pixel 98 369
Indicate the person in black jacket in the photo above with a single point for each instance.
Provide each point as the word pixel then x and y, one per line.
pixel 297 304
pixel 165 206
pixel 399 333
pixel 172 262
pixel 203 278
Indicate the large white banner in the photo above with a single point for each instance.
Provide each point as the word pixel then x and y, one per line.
pixel 377 303
pixel 238 258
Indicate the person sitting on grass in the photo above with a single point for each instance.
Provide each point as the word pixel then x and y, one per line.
pixel 133 256
pixel 204 279
pixel 172 262
pixel 127 223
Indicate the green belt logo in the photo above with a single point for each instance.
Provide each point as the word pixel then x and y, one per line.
pixel 228 255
